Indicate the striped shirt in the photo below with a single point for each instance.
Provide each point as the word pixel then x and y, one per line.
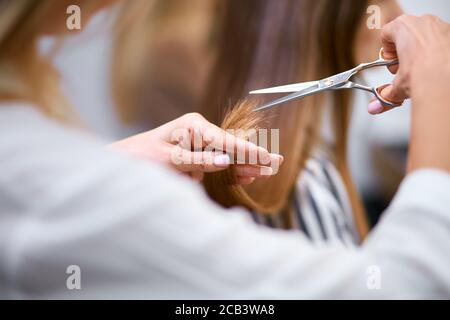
pixel 321 207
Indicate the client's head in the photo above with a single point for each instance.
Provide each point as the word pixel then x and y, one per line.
pixel 264 43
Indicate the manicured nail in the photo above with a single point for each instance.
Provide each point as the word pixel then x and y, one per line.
pixel 266 171
pixel 264 155
pixel 375 107
pixel 276 158
pixel 222 160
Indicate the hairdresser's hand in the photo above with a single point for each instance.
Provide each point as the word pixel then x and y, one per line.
pixel 422 46
pixel 194 146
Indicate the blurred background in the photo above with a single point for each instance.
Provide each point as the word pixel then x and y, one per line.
pixel 176 72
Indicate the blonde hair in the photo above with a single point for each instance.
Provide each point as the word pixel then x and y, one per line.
pixel 27 75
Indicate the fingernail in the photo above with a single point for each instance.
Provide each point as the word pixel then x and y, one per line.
pixel 264 155
pixel 375 107
pixel 276 158
pixel 222 160
pixel 266 171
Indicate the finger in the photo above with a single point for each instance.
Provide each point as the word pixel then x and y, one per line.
pixel 245 180
pixel 253 171
pixel 396 40
pixel 393 68
pixel 394 93
pixel 388 39
pixel 388 34
pixel 375 107
pixel 391 55
pixel 197 175
pixel 201 134
pixel 241 150
pixel 190 161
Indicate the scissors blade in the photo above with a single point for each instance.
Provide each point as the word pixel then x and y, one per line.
pixel 286 89
pixel 293 96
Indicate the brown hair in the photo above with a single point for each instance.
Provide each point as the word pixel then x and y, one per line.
pixel 264 43
pixel 164 58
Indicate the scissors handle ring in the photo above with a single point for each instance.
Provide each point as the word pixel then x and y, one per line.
pixel 388 62
pixel 381 62
pixel 377 93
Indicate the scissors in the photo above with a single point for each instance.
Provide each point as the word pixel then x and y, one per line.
pixel 336 82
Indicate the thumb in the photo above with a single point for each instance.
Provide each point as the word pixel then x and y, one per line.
pixel 391 93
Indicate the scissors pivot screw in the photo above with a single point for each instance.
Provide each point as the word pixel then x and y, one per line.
pixel 328 82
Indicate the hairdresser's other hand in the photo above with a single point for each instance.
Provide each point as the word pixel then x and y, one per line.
pixel 423 48
pixel 194 146
pixel 422 45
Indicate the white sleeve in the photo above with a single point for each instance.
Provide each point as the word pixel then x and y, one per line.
pixel 136 230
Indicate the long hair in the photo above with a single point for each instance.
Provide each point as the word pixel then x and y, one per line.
pixel 164 58
pixel 26 74
pixel 264 43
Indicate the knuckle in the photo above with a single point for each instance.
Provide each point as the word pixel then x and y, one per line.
pixel 403 18
pixel 203 166
pixel 400 78
pixel 194 116
pixel 406 19
pixel 428 17
pixel 396 24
